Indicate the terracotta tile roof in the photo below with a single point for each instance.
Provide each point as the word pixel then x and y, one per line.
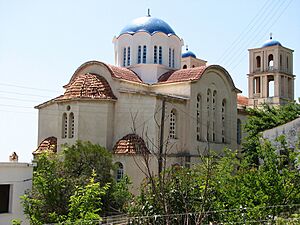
pixel 47 145
pixel 130 144
pixel 242 100
pixel 124 73
pixel 182 75
pixel 91 86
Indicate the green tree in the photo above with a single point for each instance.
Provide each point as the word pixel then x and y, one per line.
pixel 57 177
pixel 85 204
pixel 261 119
pixel 258 192
pixel 49 195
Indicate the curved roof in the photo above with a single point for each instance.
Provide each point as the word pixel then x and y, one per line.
pixel 271 42
pixel 115 71
pixel 130 144
pixel 193 74
pixel 148 24
pixel 188 54
pixel 182 75
pixel 89 85
pixel 48 145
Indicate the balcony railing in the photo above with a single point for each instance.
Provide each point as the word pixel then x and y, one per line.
pixel 272 69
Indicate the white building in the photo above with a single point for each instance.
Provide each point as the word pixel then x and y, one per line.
pixel 120 106
pixel 15 179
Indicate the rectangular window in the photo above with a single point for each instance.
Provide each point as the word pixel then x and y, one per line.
pixel 144 54
pixel 124 57
pixel 139 54
pixel 155 55
pixel 170 57
pixel 128 56
pixel 160 55
pixel 173 58
pixel 4 198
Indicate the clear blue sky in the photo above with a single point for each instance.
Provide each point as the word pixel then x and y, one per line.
pixel 43 42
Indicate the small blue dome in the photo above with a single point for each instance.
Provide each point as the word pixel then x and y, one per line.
pixel 188 54
pixel 148 24
pixel 271 42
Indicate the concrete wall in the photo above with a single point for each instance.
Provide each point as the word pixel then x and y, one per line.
pixel 19 177
pixel 291 131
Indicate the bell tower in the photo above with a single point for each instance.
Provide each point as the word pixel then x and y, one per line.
pixel 270 78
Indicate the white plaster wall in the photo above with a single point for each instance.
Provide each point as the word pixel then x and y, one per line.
pixel 95 122
pixel 19 176
pixel 214 80
pixel 177 89
pixel 49 122
pixel 141 107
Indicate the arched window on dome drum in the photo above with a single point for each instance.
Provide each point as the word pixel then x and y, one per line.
pixel 173 58
pixel 160 55
pixel 223 120
pixel 119 172
pixel 199 116
pixel 128 56
pixel 144 54
pixel 64 125
pixel 172 131
pixel 184 67
pixel 214 115
pixel 170 55
pixel 155 55
pixel 139 54
pixel 239 132
pixel 71 125
pixel 124 57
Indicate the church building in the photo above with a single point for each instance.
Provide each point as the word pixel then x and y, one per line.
pixel 158 103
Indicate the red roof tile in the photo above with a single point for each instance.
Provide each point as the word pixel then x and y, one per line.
pixel 91 86
pixel 130 144
pixel 124 73
pixel 47 145
pixel 242 100
pixel 182 75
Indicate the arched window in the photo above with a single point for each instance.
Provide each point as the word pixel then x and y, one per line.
pixel 184 67
pixel 208 107
pixel 173 58
pixel 155 55
pixel 128 56
pixel 280 61
pixel 119 172
pixel 124 57
pixel 270 61
pixel 170 55
pixel 173 121
pixel 214 115
pixel 64 125
pixel 144 54
pixel 223 120
pixel 71 125
pixel 258 62
pixel 139 54
pixel 199 117
pixel 239 132
pixel 160 55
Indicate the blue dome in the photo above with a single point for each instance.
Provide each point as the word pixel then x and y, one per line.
pixel 271 42
pixel 148 24
pixel 188 54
